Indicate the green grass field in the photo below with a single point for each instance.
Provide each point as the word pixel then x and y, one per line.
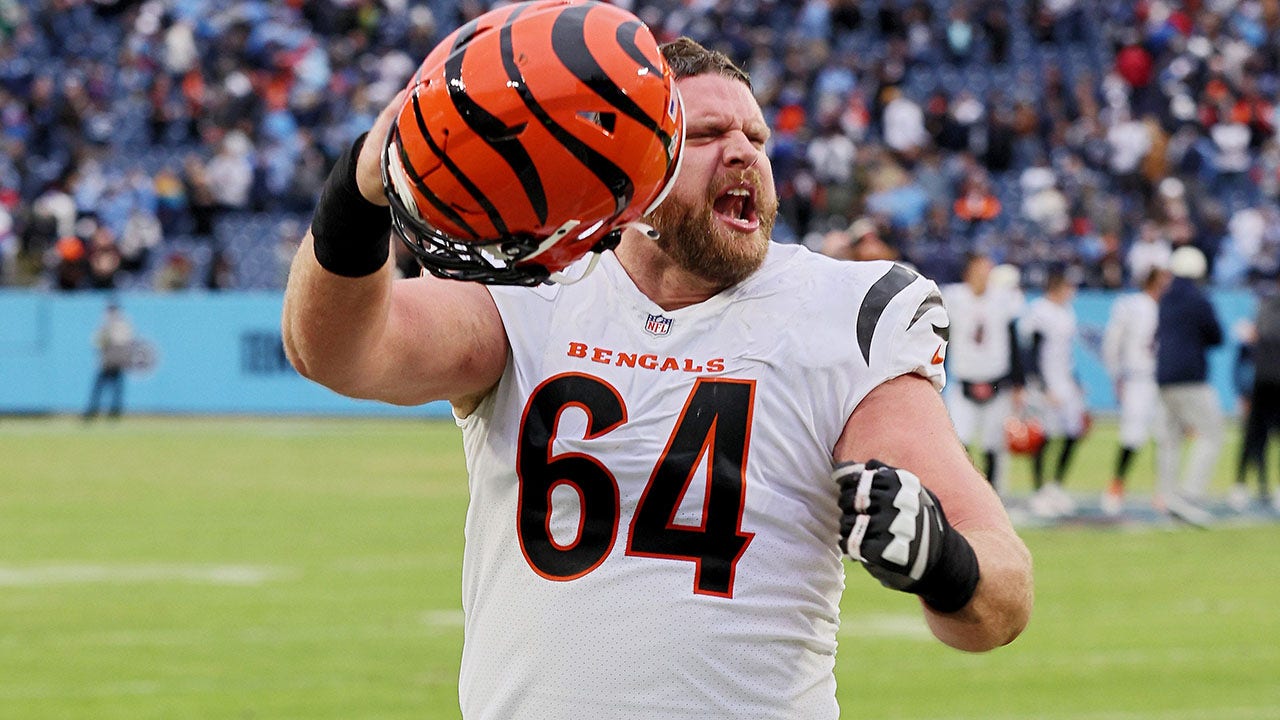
pixel 225 568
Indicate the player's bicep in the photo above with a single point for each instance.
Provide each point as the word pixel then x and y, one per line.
pixel 445 341
pixel 903 423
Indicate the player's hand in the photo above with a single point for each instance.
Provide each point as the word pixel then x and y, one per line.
pixel 369 164
pixel 895 527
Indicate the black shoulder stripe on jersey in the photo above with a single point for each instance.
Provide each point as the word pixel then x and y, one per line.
pixel 877 299
pixel 932 301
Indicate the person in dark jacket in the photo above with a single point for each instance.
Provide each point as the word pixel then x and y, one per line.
pixel 1186 329
pixel 1263 416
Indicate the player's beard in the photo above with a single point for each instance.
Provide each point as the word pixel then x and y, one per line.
pixel 690 235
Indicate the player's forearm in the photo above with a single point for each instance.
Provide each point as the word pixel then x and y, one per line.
pixel 1001 604
pixel 333 325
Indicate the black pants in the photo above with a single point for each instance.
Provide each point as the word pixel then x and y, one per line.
pixel 112 380
pixel 1263 418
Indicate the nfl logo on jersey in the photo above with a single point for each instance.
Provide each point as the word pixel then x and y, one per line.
pixel 657 325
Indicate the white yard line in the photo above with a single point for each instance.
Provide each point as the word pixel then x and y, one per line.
pixel 78 574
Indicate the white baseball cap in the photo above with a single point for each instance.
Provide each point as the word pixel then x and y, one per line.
pixel 1188 262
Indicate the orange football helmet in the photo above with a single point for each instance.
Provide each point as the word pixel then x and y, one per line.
pixel 1023 437
pixel 531 136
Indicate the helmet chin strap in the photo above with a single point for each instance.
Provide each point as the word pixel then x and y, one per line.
pixel 553 238
pixel 609 242
pixel 559 277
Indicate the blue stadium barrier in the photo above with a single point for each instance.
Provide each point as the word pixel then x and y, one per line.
pixel 215 353
pixel 220 353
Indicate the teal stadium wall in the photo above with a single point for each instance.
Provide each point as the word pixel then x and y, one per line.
pixel 215 353
pixel 220 353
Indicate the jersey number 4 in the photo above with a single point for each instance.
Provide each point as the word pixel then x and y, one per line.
pixel 715 424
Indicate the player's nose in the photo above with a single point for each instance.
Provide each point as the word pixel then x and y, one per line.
pixel 739 151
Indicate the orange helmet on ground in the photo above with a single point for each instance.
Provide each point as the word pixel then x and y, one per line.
pixel 531 136
pixel 1023 437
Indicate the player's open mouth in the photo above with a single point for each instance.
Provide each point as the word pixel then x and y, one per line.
pixel 736 207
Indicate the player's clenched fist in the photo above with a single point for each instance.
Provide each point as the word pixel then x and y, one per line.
pixel 895 527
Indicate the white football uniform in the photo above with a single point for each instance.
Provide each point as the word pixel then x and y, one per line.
pixel 979 354
pixel 1057 327
pixel 652 526
pixel 1129 354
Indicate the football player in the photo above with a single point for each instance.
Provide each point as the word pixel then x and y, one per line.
pixel 983 355
pixel 1051 326
pixel 1129 354
pixel 668 458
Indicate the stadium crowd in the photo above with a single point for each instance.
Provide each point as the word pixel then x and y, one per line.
pixel 182 143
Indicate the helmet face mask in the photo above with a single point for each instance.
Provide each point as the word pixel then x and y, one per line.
pixel 530 137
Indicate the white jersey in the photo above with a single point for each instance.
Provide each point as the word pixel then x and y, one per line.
pixel 979 347
pixel 652 527
pixel 1057 327
pixel 1129 341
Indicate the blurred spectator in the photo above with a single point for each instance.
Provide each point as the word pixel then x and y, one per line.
pixel 201 200
pixel 53 216
pixel 9 248
pixel 142 234
pixel 831 157
pixel 114 341
pixel 960 34
pixel 1042 202
pixel 230 173
pixel 861 241
pixel 1129 140
pixel 903 124
pixel 69 263
pixel 171 201
pixel 103 259
pixel 175 274
pixel 976 204
pixel 221 273
pixel 998 31
pixel 1185 331
pixel 1150 251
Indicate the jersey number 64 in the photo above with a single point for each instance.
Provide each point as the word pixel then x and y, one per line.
pixel 715 424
